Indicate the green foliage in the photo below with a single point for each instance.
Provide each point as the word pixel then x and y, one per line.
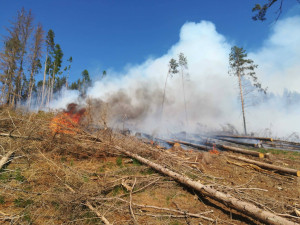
pixel 22 203
pixel 18 176
pixel 4 177
pixel 173 67
pixel 119 161
pixel 182 61
pixel 118 190
pixel 27 217
pixel 241 66
pixel 86 178
pixel 2 199
pixel 136 162
pixel 148 171
pixel 7 176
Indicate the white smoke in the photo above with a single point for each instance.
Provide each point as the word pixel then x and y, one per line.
pixel 211 94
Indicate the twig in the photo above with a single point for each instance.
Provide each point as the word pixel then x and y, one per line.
pixel 104 220
pixel 13 122
pixel 198 215
pixel 130 203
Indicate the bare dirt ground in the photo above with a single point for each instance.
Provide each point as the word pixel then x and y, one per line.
pixel 53 179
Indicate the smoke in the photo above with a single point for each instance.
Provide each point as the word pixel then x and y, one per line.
pixel 135 96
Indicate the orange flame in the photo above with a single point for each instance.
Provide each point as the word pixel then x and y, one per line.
pixel 214 151
pixel 67 122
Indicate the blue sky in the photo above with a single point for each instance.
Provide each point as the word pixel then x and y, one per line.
pixel 102 34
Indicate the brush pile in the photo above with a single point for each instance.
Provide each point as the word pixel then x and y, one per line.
pixel 86 173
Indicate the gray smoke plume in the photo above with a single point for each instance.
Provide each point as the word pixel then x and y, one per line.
pixel 134 97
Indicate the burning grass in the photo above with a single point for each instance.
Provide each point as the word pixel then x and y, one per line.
pixel 58 177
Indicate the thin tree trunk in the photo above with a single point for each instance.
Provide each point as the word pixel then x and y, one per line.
pixel 242 102
pixel 44 81
pixel 186 118
pixel 164 96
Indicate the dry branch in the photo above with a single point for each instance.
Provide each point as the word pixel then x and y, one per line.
pixel 5 158
pixel 243 207
pixel 268 166
pixel 104 220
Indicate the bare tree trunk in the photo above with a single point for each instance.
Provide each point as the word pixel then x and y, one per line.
pixel 67 85
pixel 186 118
pixel 242 102
pixel 164 96
pixel 44 81
pixel 52 83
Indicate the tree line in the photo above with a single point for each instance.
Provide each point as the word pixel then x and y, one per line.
pixel 21 60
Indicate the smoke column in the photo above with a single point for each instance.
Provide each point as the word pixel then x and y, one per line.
pixel 135 96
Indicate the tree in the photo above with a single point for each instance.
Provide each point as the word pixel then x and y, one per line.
pixel 49 52
pixel 182 61
pixel 8 64
pixel 103 74
pixel 14 58
pixel 55 66
pixel 242 67
pixel 173 69
pixel 261 10
pixel 24 24
pixel 35 62
pixel 70 60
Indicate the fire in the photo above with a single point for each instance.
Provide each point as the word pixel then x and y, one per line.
pixel 68 121
pixel 214 151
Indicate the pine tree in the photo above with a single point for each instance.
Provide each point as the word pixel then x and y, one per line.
pixel 240 66
pixel 173 69
pixel 182 61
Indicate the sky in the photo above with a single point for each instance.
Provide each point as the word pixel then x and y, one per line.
pixel 114 34
pixel 134 41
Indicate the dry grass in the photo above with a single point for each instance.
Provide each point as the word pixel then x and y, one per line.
pixel 52 177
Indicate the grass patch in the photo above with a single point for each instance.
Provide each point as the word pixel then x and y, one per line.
pixel 18 176
pixel 22 203
pixel 119 190
pixel 27 218
pixel 2 200
pixel 148 171
pixel 119 161
pixel 191 175
pixel 136 162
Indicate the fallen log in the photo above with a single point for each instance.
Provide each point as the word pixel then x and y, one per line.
pixel 246 137
pixel 268 166
pixel 241 150
pixel 240 142
pixel 241 206
pixel 202 147
pixel 5 158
